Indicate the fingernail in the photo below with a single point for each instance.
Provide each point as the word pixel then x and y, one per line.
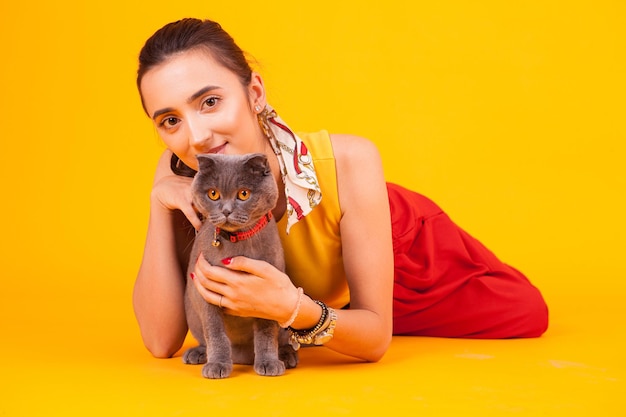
pixel 227 261
pixel 192 275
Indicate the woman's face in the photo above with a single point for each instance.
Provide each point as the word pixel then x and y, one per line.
pixel 199 106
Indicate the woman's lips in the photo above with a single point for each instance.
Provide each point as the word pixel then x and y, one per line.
pixel 217 149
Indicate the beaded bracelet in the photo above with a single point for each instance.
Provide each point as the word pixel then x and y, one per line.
pixel 295 311
pixel 307 336
pixel 302 332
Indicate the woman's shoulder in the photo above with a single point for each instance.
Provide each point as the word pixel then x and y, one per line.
pixel 354 150
pixel 359 169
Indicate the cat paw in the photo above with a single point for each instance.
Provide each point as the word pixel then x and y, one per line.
pixel 288 356
pixel 195 356
pixel 217 370
pixel 270 367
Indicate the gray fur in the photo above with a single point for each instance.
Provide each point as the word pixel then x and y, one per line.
pixel 226 339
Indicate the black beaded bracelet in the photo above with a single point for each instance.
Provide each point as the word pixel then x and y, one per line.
pixel 320 323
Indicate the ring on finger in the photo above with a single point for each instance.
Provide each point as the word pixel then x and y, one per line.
pixel 220 303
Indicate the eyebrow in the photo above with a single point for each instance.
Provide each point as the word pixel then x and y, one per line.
pixel 193 97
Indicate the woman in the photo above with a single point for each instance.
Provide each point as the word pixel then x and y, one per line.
pixel 382 259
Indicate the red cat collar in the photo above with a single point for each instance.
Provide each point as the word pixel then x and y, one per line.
pixel 242 235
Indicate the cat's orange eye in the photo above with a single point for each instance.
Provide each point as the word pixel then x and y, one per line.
pixel 243 194
pixel 213 194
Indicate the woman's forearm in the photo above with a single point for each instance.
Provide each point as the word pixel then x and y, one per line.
pixel 359 333
pixel 159 289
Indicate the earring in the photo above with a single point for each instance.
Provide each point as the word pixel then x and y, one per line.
pixel 262 116
pixel 257 108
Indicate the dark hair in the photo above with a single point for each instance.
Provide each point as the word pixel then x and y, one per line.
pixel 187 34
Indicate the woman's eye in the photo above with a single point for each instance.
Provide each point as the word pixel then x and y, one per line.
pixel 213 194
pixel 211 102
pixel 169 122
pixel 243 194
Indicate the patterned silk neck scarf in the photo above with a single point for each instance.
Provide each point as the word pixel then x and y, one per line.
pixel 296 165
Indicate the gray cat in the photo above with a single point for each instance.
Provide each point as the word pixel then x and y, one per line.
pixel 235 195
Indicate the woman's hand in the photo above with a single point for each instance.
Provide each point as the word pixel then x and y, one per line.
pixel 246 287
pixel 173 192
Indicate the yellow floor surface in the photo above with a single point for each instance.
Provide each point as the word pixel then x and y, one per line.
pixel 74 354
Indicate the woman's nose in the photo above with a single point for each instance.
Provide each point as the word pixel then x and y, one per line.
pixel 199 133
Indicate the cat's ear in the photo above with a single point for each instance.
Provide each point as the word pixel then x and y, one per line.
pixel 257 164
pixel 206 162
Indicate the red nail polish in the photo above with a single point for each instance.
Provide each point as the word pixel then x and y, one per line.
pixel 227 261
pixel 193 276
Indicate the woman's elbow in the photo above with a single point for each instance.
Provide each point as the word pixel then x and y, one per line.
pixel 162 349
pixel 378 351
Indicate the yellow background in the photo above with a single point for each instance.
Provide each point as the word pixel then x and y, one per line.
pixel 509 114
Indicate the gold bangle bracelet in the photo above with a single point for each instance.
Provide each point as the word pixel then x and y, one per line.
pixel 321 333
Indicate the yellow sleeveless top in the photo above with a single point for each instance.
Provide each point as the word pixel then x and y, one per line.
pixel 313 245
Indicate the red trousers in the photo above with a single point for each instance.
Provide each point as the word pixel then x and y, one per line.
pixel 447 284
